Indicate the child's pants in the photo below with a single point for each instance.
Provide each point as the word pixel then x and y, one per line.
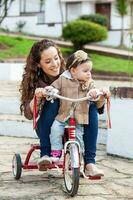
pixel 57 132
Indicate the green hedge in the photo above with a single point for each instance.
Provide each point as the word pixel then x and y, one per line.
pixel 96 18
pixel 81 32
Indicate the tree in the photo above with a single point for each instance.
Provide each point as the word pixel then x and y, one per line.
pixel 4 7
pixel 121 7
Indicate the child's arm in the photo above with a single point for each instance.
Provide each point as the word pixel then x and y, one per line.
pixel 93 93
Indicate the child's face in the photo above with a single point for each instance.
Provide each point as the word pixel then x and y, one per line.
pixel 82 72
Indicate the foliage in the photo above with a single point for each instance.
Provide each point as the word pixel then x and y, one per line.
pixel 20 25
pixel 4 8
pixel 102 63
pixel 17 47
pixel 81 32
pixel 96 18
pixel 121 7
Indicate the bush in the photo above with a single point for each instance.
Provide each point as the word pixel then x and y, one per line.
pixel 96 18
pixel 81 32
pixel 20 25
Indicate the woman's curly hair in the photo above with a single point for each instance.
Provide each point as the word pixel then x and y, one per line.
pixel 30 76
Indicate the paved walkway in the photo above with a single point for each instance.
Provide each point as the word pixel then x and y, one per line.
pixel 117 184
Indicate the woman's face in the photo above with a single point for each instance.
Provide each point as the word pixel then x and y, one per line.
pixel 50 61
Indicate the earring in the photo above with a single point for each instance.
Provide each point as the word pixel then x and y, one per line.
pixel 39 71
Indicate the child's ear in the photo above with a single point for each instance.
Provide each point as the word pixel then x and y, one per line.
pixel 72 70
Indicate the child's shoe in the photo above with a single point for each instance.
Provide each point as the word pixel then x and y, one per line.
pixel 55 155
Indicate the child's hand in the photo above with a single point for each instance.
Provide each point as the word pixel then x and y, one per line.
pixel 106 93
pixel 93 93
pixel 50 92
pixel 47 89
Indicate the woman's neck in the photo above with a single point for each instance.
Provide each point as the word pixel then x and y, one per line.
pixel 48 79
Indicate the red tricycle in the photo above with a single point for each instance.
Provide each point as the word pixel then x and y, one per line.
pixel 72 162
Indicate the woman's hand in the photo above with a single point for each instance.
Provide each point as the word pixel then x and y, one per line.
pixel 39 93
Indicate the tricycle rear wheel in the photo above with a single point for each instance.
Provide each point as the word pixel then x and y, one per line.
pixel 17 166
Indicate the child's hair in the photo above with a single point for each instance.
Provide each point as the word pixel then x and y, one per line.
pixel 77 58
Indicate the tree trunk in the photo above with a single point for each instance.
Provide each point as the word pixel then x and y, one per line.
pixel 5 9
pixel 122 32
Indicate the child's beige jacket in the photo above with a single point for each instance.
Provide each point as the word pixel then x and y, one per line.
pixel 72 88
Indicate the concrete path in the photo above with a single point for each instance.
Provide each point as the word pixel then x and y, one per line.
pixel 117 184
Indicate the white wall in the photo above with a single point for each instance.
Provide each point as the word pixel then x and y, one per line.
pixel 11 71
pixel 88 7
pixel 52 11
pixel 120 136
pixel 114 39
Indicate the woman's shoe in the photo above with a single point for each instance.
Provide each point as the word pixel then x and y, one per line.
pixel 93 171
pixel 43 163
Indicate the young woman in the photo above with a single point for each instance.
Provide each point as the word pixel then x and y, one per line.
pixel 43 66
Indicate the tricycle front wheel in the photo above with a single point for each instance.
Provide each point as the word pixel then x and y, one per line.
pixel 71 170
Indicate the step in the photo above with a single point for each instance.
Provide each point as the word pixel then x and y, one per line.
pixel 17 125
pixel 9 105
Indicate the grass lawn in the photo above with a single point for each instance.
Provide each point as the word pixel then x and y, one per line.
pixel 17 47
pixel 14 47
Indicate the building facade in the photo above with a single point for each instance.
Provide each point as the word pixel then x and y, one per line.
pixel 47 17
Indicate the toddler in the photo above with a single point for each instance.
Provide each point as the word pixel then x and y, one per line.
pixel 76 82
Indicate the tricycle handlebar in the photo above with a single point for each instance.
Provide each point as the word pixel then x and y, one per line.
pixel 54 94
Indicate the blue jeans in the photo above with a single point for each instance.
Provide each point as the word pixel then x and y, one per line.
pixel 45 122
pixel 57 132
pixel 48 114
pixel 90 135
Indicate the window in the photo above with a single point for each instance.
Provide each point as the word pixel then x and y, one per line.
pixel 73 11
pixel 32 6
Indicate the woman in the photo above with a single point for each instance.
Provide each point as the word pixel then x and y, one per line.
pixel 44 65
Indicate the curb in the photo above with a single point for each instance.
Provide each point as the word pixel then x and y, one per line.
pixel 112 77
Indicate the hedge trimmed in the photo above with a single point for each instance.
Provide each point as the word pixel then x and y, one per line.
pixel 81 32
